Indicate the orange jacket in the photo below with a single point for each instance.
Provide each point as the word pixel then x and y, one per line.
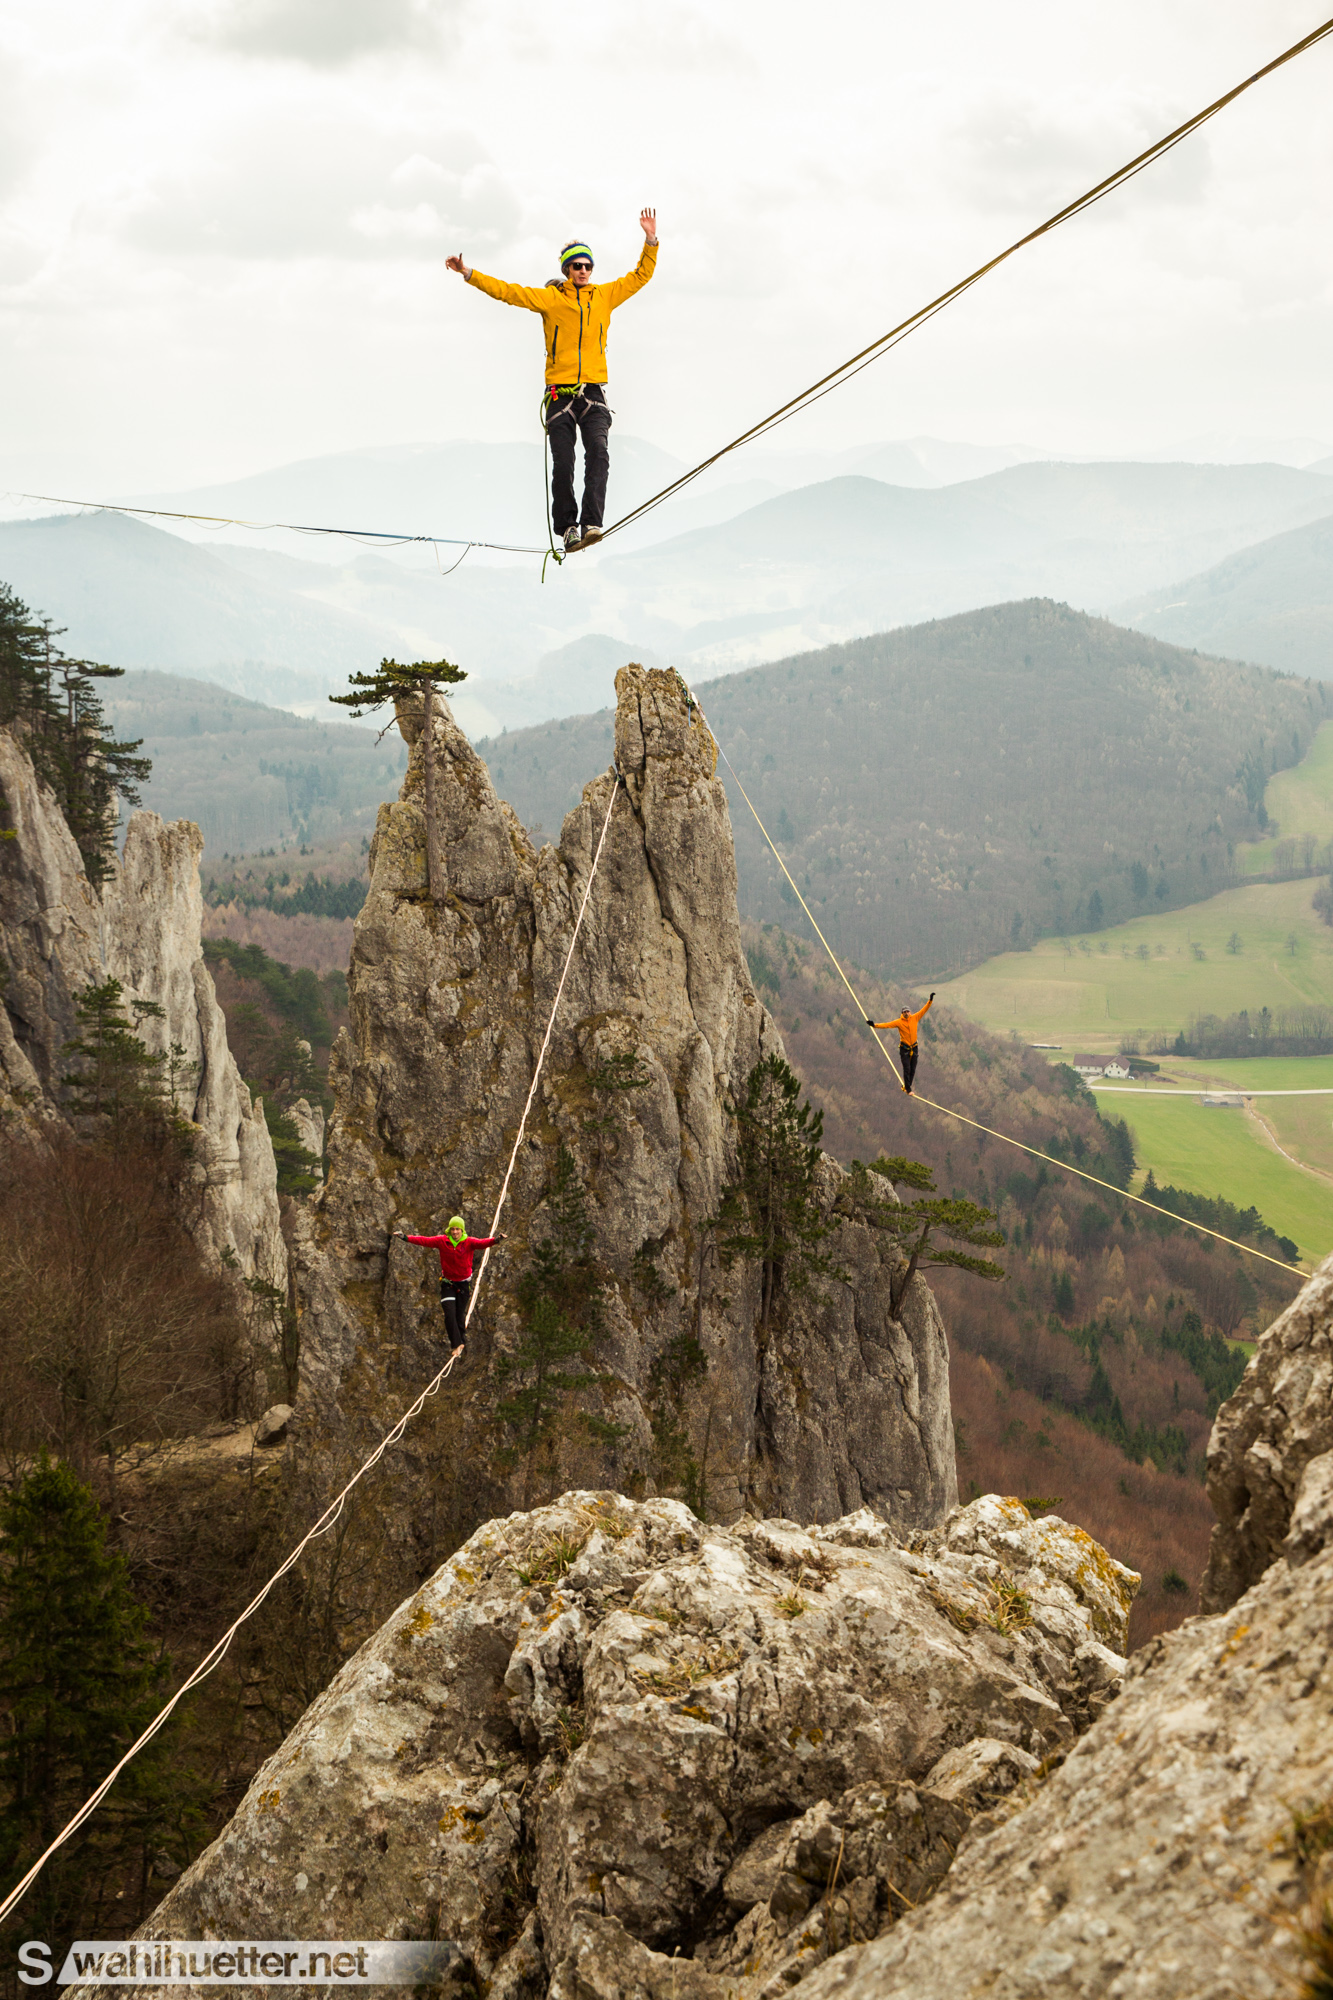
pixel 575 317
pixel 907 1024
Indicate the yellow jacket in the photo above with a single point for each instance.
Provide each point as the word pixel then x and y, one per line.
pixel 575 317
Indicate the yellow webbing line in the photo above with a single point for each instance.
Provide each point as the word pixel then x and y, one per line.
pixel 961 1116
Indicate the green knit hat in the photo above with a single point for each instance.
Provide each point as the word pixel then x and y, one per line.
pixel 457 1227
pixel 574 250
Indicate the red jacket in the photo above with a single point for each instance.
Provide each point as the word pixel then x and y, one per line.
pixel 455 1258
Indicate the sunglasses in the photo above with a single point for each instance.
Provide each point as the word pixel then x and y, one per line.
pixel 578 264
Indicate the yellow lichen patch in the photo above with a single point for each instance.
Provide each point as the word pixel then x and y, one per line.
pixel 692 1708
pixel 420 1621
pixel 1233 1642
pixel 472 1834
pixel 450 1818
pixel 268 1801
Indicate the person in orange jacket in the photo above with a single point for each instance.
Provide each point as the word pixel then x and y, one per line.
pixel 576 314
pixel 907 1025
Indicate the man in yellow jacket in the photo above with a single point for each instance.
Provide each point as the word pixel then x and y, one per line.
pixel 575 316
pixel 907 1025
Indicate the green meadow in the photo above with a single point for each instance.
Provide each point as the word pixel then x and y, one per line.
pixel 1148 976
pixel 1211 1151
pixel 1299 801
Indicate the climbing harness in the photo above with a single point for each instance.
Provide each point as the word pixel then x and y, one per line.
pixel 962 1118
pixel 332 1512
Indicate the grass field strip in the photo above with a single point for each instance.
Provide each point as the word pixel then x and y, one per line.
pixel 1204 1090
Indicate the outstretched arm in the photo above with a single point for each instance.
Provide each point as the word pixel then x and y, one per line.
pixel 921 1012
pixel 535 297
pixel 624 288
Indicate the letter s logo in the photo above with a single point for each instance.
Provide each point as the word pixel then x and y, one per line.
pixel 37 1959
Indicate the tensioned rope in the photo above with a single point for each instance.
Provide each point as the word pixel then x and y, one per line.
pixel 332 1512
pixel 436 542
pixel 948 1111
pixel 846 369
pixel 834 379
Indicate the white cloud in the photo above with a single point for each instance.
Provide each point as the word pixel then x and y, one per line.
pixel 1014 150
pixel 326 33
pixel 318 183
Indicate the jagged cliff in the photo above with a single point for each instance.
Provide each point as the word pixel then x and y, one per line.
pixel 59 934
pixel 840 1404
pixel 613 1754
pixel 609 1750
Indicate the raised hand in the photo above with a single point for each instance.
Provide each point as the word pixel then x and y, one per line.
pixel 648 223
pixel 457 264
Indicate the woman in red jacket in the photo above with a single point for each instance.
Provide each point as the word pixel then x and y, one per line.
pixel 455 1248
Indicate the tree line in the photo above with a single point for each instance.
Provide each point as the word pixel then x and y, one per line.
pixel 51 703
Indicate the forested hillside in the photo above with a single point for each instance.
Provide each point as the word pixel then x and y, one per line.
pixel 949 790
pixel 1088 1379
pixel 249 776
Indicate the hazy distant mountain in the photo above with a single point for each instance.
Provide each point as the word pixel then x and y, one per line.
pixel 133 596
pixel 856 556
pixel 945 791
pixel 822 564
pixel 252 776
pixel 494 492
pixel 1272 602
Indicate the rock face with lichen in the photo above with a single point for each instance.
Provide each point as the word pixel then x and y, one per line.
pixel 1270 1458
pixel 607 1749
pixel 59 934
pixel 838 1403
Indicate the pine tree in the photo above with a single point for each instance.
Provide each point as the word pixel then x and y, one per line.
pixel 395 682
pixel 770 1212
pixel 79 1680
pixel 914 1223
pixel 51 703
pixel 118 1076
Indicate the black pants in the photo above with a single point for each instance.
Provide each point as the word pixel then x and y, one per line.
pixel 587 414
pixel 453 1303
pixel 907 1054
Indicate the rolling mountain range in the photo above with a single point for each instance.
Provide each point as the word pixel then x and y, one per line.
pixel 823 563
pixel 961 787
pixel 1271 602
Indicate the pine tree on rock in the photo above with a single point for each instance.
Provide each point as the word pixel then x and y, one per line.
pixel 396 683
pixel 914 1223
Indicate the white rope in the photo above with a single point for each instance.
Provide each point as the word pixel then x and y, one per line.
pixel 541 1056
pixel 331 1513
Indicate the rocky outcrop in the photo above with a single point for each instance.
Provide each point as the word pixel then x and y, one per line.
pixel 1166 1857
pixel 839 1404
pixel 1186 1846
pixel 611 1749
pixel 1270 1457
pixel 59 934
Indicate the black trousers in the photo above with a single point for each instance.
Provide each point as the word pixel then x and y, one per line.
pixel 587 415
pixel 907 1054
pixel 453 1303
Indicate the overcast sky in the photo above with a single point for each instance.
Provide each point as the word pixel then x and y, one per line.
pixel 223 223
